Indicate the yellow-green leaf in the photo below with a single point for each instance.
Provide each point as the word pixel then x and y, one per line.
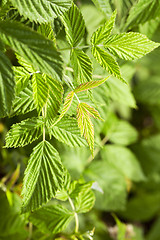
pixel 84 112
pixel 89 85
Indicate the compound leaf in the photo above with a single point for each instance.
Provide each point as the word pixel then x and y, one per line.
pixel 86 127
pixel 90 111
pixel 43 176
pixel 24 132
pixel 42 10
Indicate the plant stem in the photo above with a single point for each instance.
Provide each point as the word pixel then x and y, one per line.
pixel 44 116
pixel 75 215
pixel 77 98
pixel 44 133
pixel 71 86
pixel 94 76
pixel 30 231
pixel 79 47
pixel 34 73
pixel 69 69
pixel 77 222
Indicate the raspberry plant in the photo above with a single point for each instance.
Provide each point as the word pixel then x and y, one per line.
pixel 55 80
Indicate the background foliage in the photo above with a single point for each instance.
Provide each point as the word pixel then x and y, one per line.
pixel 56 61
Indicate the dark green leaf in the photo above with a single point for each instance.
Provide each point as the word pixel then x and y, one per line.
pixel 43 176
pixel 142 207
pixel 6 85
pixel 123 133
pixel 41 11
pixel 33 47
pixel 11 222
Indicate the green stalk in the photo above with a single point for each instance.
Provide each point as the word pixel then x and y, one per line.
pixel 44 116
pixel 75 215
pixel 30 228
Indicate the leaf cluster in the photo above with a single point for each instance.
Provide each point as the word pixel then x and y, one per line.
pixel 68 85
